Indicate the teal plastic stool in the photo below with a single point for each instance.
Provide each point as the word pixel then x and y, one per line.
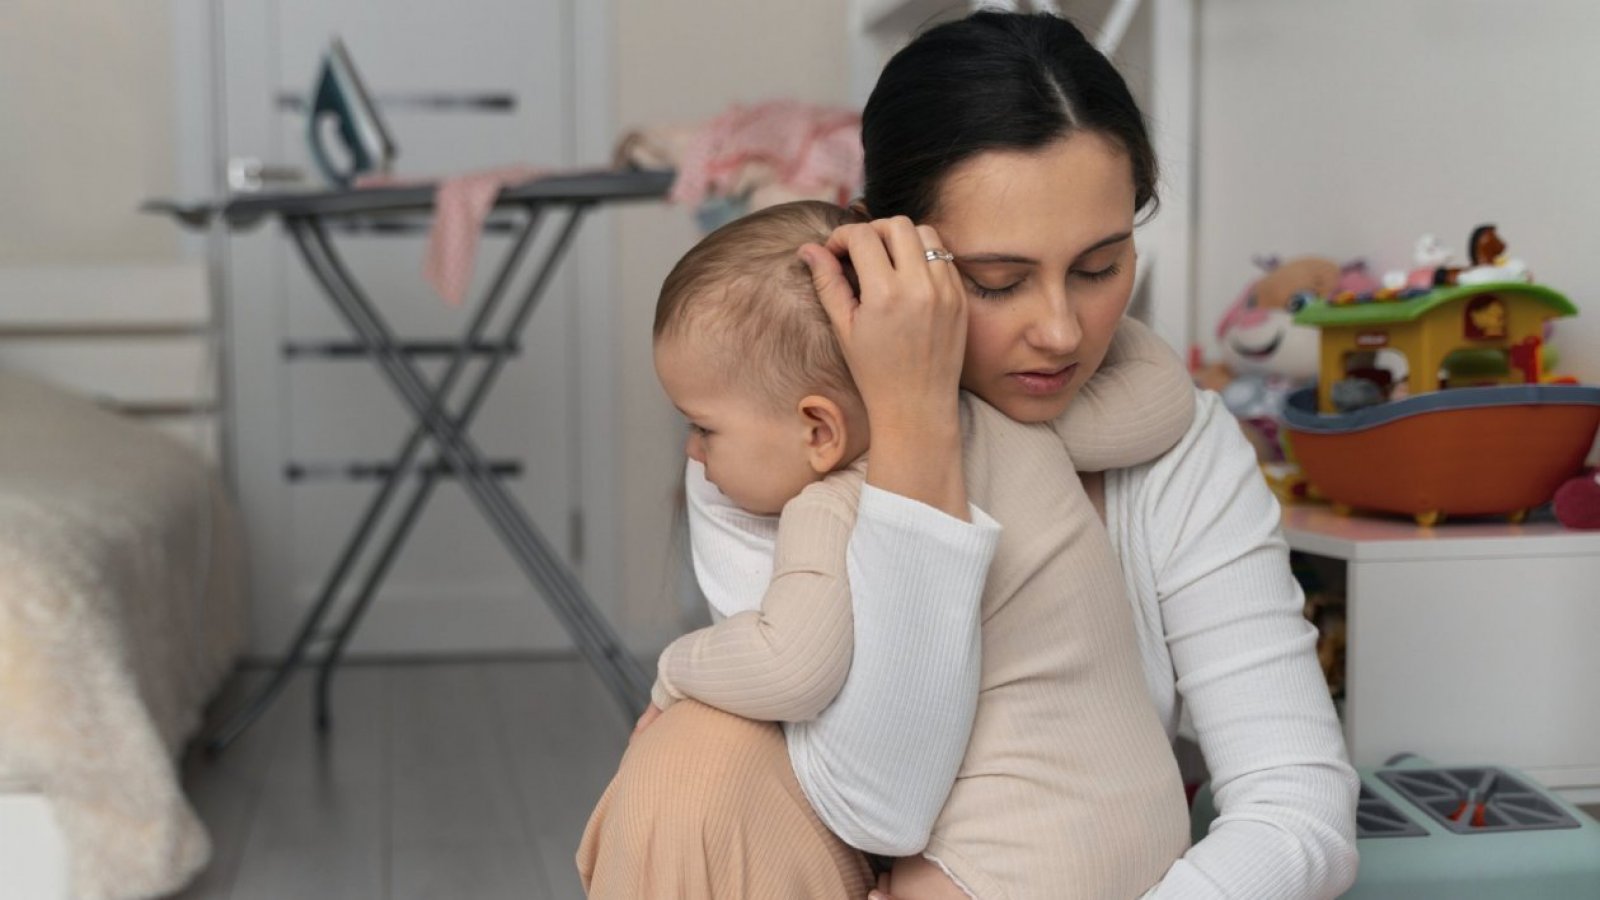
pixel 1428 832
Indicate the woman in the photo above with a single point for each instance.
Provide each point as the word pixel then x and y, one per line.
pixel 1020 146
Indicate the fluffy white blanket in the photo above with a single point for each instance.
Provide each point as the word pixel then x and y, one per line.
pixel 119 616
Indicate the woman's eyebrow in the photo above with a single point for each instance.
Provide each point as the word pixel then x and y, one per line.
pixel 982 258
pixel 1106 242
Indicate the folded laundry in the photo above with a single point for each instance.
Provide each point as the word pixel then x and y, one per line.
pixel 761 154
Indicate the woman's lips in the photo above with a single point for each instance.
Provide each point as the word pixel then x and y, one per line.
pixel 1040 383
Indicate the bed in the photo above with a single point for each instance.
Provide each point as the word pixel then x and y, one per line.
pixel 120 614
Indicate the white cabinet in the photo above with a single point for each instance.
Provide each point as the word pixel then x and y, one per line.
pixel 1470 643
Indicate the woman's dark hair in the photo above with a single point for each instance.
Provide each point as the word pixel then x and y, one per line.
pixel 991 81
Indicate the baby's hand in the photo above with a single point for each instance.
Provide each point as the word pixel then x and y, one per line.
pixel 651 713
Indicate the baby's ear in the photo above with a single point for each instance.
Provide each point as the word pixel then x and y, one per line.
pixel 826 432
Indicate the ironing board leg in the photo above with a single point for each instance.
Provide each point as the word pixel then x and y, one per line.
pixel 399 471
pixel 594 637
pixel 543 271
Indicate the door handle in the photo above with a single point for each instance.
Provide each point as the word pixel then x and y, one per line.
pixel 246 175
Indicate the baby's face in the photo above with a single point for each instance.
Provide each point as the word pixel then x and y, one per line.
pixel 756 456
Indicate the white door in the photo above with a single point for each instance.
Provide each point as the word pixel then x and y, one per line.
pixel 461 85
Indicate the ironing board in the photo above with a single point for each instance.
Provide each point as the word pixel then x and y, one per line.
pixel 305 216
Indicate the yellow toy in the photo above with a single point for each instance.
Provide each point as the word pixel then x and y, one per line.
pixel 1473 335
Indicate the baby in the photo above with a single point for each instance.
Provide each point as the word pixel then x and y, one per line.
pixel 1068 787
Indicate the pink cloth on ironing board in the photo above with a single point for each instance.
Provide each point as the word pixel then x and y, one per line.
pixel 800 146
pixel 461 204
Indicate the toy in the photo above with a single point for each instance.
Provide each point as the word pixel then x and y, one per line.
pixel 1485 249
pixel 1265 356
pixel 1428 832
pixel 1577 502
pixel 1430 257
pixel 1438 403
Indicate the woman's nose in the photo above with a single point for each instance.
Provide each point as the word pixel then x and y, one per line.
pixel 1055 329
pixel 694 449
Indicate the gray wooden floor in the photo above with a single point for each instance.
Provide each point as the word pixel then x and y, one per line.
pixel 438 780
pixel 462 780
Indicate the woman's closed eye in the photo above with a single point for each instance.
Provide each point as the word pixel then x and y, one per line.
pixel 1098 274
pixel 988 292
pixel 699 430
pixel 995 292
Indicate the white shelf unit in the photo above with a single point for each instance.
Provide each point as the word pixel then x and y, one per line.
pixel 1468 643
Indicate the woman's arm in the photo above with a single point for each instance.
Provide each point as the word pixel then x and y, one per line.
pixel 1243 655
pixel 878 763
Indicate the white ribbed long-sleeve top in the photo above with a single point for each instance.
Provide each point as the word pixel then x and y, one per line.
pixel 1220 633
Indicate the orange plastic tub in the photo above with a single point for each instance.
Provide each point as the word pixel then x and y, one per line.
pixel 1468 451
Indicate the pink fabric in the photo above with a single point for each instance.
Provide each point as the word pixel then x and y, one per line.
pixel 801 147
pixel 461 204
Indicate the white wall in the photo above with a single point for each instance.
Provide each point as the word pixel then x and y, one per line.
pixel 86 131
pixel 682 62
pixel 1350 128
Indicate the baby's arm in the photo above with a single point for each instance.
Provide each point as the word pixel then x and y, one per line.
pixel 1134 408
pixel 787 661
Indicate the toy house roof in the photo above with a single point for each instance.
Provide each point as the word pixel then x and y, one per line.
pixel 1323 314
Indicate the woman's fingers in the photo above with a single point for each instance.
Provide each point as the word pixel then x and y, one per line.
pixel 904 241
pixel 864 247
pixel 833 287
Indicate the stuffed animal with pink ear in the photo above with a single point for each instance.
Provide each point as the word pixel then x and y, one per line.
pixel 1265 356
pixel 1258 333
pixel 1577 501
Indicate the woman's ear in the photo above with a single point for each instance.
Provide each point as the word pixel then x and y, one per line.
pixel 826 433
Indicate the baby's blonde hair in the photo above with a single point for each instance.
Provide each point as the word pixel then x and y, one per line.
pixel 745 294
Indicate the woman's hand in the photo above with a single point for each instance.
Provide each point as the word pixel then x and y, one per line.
pixel 904 337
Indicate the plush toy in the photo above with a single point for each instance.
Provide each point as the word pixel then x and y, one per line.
pixel 1577 501
pixel 1265 356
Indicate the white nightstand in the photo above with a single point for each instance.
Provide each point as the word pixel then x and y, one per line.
pixel 1469 643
